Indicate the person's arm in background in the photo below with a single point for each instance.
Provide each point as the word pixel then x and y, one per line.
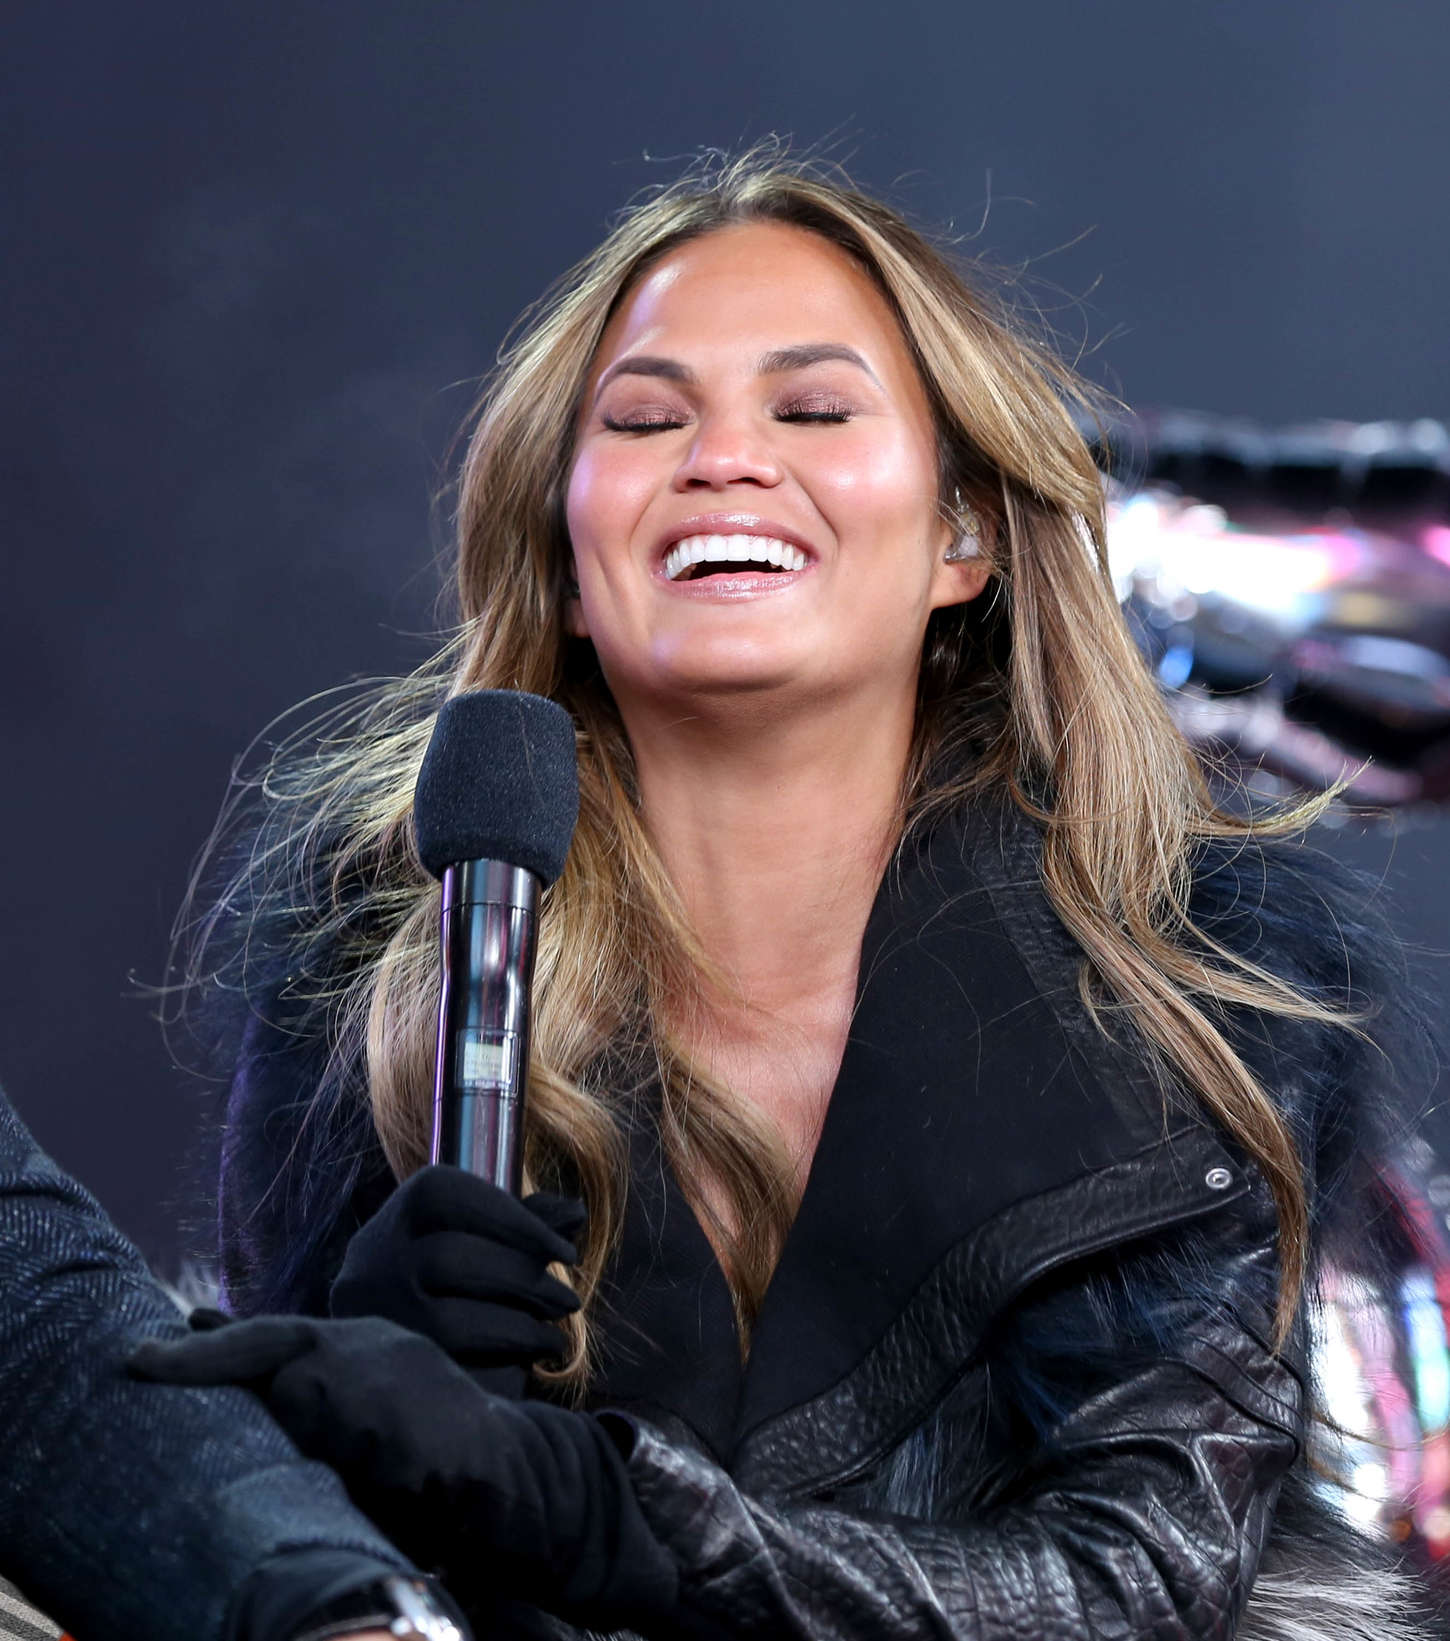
pixel 128 1509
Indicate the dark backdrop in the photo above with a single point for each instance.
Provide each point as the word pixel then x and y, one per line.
pixel 254 254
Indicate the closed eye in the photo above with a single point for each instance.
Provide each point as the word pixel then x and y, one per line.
pixel 808 411
pixel 642 424
pixel 814 408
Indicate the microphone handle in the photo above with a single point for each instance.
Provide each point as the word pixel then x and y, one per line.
pixel 481 1071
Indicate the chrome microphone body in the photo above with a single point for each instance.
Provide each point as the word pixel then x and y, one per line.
pixel 480 1080
pixel 494 809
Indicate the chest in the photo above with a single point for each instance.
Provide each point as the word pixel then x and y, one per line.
pixel 784 1072
pixel 780 1066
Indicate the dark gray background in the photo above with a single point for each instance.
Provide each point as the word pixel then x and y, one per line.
pixel 254 254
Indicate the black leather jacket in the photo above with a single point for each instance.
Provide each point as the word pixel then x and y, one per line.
pixel 1013 1375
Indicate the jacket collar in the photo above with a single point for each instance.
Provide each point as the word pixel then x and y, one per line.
pixel 972 1083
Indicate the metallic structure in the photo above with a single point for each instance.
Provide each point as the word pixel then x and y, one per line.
pixel 1292 592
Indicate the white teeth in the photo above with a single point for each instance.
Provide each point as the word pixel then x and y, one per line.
pixel 737 549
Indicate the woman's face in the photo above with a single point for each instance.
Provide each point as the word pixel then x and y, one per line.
pixel 752 406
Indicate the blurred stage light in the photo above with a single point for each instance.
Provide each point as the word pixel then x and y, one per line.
pixel 1291 591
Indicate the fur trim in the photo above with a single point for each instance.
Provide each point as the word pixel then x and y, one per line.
pixel 1299 1603
pixel 1352 1098
pixel 1322 1578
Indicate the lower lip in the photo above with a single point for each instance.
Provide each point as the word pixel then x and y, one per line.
pixel 744 584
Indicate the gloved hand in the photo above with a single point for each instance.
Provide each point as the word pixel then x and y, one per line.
pixel 461 1261
pixel 513 1500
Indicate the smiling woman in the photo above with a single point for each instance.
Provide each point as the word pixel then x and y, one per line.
pixel 725 407
pixel 961 1103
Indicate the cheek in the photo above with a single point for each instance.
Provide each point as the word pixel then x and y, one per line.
pixel 607 494
pixel 877 478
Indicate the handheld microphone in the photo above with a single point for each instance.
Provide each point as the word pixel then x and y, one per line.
pixel 494 809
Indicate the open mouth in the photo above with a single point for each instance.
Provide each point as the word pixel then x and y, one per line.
pixel 695 557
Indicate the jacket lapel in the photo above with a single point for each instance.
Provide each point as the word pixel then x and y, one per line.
pixel 959 1095
pixel 668 1345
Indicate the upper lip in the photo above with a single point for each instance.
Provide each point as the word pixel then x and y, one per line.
pixel 730 524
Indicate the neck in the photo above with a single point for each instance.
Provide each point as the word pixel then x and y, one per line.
pixel 775 831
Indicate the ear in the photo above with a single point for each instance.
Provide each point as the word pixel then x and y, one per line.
pixel 959 583
pixel 962 569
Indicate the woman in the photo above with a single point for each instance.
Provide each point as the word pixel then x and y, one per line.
pixel 961 1102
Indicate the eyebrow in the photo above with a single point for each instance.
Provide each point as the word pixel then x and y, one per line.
pixel 769 364
pixel 810 353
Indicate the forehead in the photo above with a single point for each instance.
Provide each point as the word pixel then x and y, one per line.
pixel 750 288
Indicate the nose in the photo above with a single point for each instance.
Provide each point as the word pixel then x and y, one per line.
pixel 728 450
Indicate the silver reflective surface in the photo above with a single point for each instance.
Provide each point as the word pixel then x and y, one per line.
pixel 1292 593
pixel 1381 1358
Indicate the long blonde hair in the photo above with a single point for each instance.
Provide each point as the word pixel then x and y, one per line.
pixel 1035 691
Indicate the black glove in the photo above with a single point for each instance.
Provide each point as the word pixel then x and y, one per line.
pixel 461 1261
pixel 519 1500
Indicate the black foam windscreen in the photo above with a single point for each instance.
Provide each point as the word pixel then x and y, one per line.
pixel 499 781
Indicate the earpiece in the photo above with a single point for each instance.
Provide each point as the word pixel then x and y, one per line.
pixel 968 543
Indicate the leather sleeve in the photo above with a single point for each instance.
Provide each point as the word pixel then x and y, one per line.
pixel 1141 1513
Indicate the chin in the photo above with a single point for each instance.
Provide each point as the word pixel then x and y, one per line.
pixel 734 684
pixel 728 670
